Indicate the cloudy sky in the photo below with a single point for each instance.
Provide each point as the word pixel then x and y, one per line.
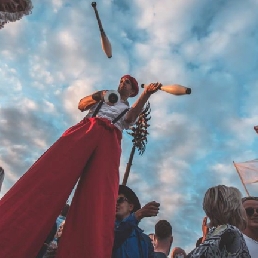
pixel 52 58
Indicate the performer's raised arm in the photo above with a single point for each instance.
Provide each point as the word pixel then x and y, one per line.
pixel 137 107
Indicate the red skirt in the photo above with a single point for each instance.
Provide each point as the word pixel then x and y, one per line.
pixel 90 151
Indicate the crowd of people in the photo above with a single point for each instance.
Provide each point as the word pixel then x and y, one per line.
pixel 89 153
pixel 231 232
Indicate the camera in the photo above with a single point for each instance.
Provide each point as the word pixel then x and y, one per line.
pixel 112 96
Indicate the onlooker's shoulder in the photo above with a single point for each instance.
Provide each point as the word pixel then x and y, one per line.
pixel 146 237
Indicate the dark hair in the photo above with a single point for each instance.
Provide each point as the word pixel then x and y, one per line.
pixel 163 229
pixel 249 198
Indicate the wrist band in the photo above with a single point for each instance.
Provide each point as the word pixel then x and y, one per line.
pixel 97 96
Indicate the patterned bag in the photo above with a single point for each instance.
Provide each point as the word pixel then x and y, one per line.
pixel 223 241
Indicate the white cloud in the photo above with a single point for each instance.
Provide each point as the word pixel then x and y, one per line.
pixel 57 4
pixel 26 104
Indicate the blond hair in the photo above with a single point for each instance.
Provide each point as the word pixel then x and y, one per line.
pixel 223 205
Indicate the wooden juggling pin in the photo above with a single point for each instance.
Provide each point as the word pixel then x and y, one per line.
pixel 106 46
pixel 174 89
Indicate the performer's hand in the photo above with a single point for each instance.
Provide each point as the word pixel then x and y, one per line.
pixel 205 229
pixel 152 88
pixel 151 209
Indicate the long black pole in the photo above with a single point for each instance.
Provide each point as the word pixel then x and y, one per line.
pixel 128 166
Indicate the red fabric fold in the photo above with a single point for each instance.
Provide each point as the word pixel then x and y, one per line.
pixel 28 210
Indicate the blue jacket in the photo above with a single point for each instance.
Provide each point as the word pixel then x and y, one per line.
pixel 130 241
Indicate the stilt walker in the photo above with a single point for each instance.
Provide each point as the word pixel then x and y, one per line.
pixel 89 151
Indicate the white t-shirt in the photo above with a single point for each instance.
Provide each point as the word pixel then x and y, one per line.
pixel 110 113
pixel 252 246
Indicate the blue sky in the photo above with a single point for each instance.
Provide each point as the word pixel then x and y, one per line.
pixel 53 57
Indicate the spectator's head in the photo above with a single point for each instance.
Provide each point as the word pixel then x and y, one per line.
pixel 65 210
pixel 151 236
pixel 251 207
pixel 127 202
pixel 163 237
pixel 163 229
pixel 223 205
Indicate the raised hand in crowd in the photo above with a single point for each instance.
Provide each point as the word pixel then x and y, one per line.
pixel 150 209
pixel 205 228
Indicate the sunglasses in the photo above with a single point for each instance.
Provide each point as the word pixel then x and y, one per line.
pixel 121 200
pixel 250 211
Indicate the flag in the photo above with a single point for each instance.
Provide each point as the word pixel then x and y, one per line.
pixel 1 177
pixel 248 171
